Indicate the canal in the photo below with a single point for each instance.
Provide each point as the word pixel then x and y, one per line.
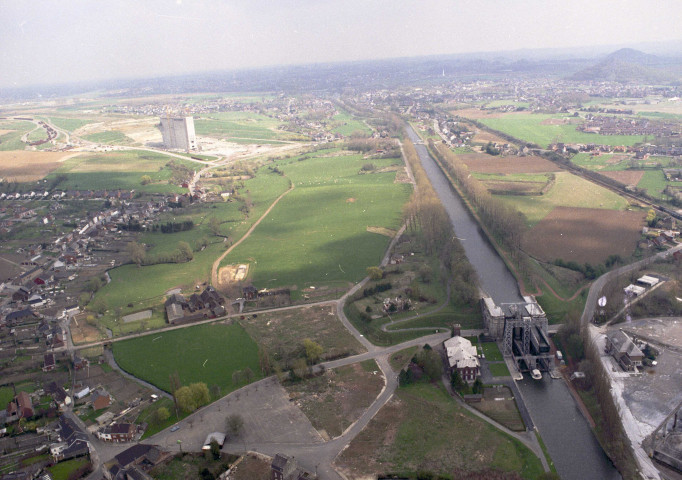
pixel 573 447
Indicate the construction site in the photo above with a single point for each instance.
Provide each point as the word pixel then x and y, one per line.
pixel 522 328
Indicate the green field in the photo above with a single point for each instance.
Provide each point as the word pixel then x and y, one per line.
pixel 499 369
pixel 568 191
pixel 346 124
pixel 531 129
pixel 654 183
pixel 132 284
pixel 120 170
pixel 112 137
pixel 204 353
pixel 317 234
pixel 243 127
pixel 12 140
pixel 68 124
pixel 492 352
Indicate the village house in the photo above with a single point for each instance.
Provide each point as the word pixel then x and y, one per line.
pixel 118 432
pixel 100 399
pixel 20 407
pixel 73 442
pixel 624 351
pixel 49 362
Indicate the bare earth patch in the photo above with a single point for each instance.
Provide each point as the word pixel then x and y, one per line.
pixel 282 333
pixel 29 166
pixel 82 332
pixel 232 273
pixel 3 132
pixel 382 231
pixel 626 177
pixel 584 234
pixel 514 188
pixel 482 163
pixel 485 137
pixel 252 467
pixel 336 399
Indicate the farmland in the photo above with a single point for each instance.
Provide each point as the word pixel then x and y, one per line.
pixel 585 235
pixel 544 129
pixel 443 439
pixel 69 124
pixel 321 227
pixel 482 163
pixel 123 171
pixel 204 353
pixel 29 166
pixel 346 124
pixel 568 191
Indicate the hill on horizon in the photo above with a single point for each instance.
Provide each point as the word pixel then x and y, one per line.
pixel 628 65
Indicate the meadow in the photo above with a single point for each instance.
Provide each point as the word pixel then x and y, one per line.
pixel 318 233
pixel 536 128
pixel 204 353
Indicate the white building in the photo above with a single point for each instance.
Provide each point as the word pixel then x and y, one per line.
pixel 178 133
pixel 462 356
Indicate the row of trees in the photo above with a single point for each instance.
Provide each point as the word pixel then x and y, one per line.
pixel 183 253
pixel 426 214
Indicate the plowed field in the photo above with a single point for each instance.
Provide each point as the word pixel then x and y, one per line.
pixel 28 166
pixel 584 234
pixel 481 163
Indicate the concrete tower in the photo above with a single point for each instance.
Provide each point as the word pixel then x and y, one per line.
pixel 178 132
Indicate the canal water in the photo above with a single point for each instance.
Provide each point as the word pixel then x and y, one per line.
pixel 573 447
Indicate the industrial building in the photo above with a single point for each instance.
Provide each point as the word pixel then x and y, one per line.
pixel 178 133
pixel 522 327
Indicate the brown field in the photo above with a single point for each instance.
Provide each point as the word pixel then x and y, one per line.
pixel 626 177
pixel 482 136
pixel 2 132
pixel 482 163
pixel 82 332
pixel 584 235
pixel 558 121
pixel 476 113
pixel 338 397
pixel 28 166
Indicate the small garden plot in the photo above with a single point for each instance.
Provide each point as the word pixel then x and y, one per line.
pixel 192 465
pixel 337 398
pixel 584 235
pixel 205 353
pixel 498 403
pixel 253 467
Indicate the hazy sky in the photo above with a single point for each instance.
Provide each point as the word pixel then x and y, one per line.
pixel 46 42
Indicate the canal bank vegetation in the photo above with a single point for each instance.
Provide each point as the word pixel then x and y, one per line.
pixel 557 289
pixel 594 391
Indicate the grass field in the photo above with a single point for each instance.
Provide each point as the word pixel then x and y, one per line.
pixel 204 353
pixel 498 403
pixel 442 438
pixel 120 170
pixel 320 228
pixel 242 127
pixel 134 285
pixel 346 124
pixel 654 182
pixel 112 137
pixel 568 191
pixel 68 124
pixel 12 139
pixel 63 470
pixel 534 128
pixel 492 352
pixel 499 369
pixel 400 359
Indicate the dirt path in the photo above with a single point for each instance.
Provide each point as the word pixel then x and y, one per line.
pixel 216 264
